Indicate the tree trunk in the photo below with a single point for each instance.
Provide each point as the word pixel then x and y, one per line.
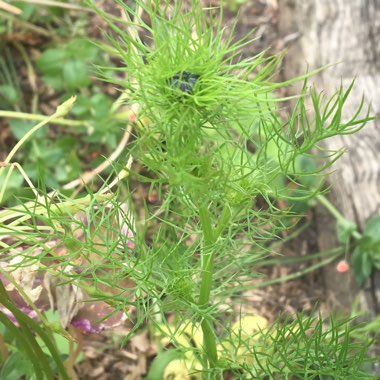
pixel 344 32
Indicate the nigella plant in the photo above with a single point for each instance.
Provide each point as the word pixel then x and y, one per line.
pixel 200 108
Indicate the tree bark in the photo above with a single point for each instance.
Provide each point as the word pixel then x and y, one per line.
pixel 344 32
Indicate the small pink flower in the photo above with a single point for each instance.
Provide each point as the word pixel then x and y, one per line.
pixel 96 316
pixel 152 198
pixel 343 266
pixel 86 326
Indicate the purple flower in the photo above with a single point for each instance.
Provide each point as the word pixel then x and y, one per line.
pixel 85 325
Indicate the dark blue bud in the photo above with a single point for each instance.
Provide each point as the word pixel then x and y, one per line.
pixel 184 80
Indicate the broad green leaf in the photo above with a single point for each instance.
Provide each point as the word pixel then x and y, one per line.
pixel 370 242
pixel 27 10
pixel 82 106
pixel 372 228
pixel 9 93
pixel 75 74
pixel 20 127
pixel 376 262
pixel 81 49
pixel 14 183
pixel 344 232
pixel 362 264
pixel 50 62
pixel 54 81
pixel 16 366
pixel 305 164
pixel 160 363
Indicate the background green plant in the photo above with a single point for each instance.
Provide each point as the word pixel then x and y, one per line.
pixel 366 245
pixel 64 67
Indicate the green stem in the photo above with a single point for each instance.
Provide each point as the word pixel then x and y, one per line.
pixel 37 117
pixel 209 342
pixel 337 215
pixel 61 111
pixel 206 283
pixel 293 276
pixel 120 116
pixel 210 236
pixel 207 256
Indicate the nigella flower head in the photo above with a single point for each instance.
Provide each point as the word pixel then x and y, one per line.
pixel 184 81
pixel 181 68
pixel 198 103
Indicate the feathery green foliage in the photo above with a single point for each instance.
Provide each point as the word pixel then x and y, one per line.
pixel 200 109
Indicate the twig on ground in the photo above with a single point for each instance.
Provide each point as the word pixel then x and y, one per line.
pixel 10 8
pixel 88 176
